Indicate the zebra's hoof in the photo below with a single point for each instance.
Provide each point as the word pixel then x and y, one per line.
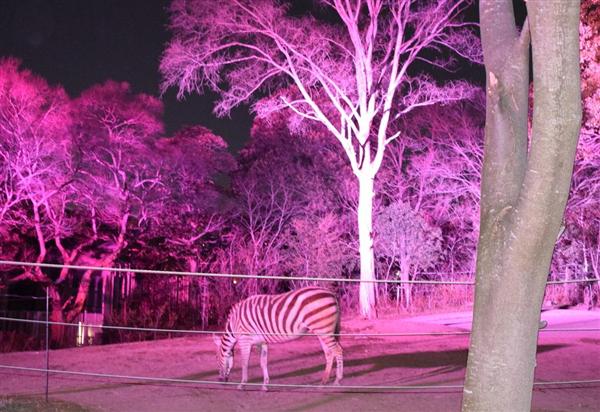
pixel 264 388
pixel 336 383
pixel 240 387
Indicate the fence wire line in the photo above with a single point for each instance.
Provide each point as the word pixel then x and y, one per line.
pixel 278 385
pixel 218 383
pixel 227 275
pixel 10 295
pixel 271 277
pixel 220 332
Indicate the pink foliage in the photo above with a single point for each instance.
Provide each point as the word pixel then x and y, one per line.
pixel 257 45
pixel 407 243
pixel 590 64
pixel 436 170
pixel 115 132
pixel 315 247
pixel 94 179
pixel 352 74
pixel 35 165
pixel 577 254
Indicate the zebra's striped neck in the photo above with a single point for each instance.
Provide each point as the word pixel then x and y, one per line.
pixel 228 339
pixel 228 342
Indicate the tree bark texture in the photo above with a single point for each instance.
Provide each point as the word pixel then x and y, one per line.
pixel 365 237
pixel 524 191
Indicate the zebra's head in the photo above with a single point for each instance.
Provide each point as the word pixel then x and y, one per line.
pixel 224 358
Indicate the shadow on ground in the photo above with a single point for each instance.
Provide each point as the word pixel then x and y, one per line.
pixel 446 360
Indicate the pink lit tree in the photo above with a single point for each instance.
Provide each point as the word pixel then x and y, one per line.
pixel 262 205
pixel 577 254
pixel 406 239
pixel 34 126
pixel 192 203
pixel 37 173
pixel 76 176
pixel 265 209
pixel 350 73
pixel 192 212
pixel 316 247
pixel 447 165
pixel 589 29
pixel 313 239
pixel 118 178
pixel 432 174
pixel 588 155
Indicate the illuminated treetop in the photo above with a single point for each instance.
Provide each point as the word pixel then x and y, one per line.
pixel 350 70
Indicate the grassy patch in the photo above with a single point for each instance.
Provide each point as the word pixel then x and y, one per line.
pixel 35 404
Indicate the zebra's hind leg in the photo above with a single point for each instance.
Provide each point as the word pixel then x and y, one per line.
pixel 339 364
pixel 328 361
pixel 328 367
pixel 263 365
pixel 245 354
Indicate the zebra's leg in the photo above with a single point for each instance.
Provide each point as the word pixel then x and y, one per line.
pixel 339 364
pixel 328 367
pixel 328 361
pixel 245 348
pixel 263 365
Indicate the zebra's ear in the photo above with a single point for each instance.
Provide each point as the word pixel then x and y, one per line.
pixel 217 339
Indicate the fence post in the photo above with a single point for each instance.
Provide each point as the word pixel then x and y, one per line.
pixel 47 343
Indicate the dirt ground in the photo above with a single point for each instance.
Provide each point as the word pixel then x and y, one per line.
pixel 403 360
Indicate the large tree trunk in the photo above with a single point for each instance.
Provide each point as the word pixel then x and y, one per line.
pixel 80 299
pixel 365 239
pixel 57 332
pixel 523 192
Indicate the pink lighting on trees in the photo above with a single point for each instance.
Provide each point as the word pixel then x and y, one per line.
pixel 95 180
pixel 74 174
pixel 114 133
pixel 36 169
pixel 351 76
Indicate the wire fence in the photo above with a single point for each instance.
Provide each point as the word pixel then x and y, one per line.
pixel 22 297
pixel 331 388
pixel 340 388
pixel 230 384
pixel 270 277
pixel 288 386
pixel 219 332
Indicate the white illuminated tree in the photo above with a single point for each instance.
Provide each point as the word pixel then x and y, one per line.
pixel 350 69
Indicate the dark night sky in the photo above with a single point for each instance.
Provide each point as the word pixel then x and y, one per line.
pixel 78 43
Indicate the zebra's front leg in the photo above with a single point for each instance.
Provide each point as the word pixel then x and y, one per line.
pixel 245 354
pixel 263 365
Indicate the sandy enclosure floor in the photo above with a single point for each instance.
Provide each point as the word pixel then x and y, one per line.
pixel 402 360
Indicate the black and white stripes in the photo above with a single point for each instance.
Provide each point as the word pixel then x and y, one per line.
pixel 264 319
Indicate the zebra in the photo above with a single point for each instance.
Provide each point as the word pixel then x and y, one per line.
pixel 263 319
